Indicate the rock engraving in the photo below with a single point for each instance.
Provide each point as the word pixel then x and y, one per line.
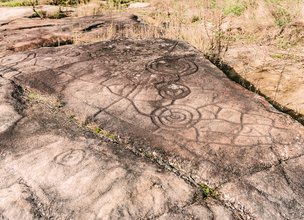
pixel 172 65
pixel 71 157
pixel 175 117
pixel 173 90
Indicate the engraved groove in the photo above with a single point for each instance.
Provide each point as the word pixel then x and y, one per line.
pixel 173 90
pixel 71 157
pixel 172 65
pixel 175 117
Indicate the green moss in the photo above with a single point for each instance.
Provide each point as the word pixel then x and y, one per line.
pixel 111 136
pixel 97 130
pixel 33 96
pixel 208 191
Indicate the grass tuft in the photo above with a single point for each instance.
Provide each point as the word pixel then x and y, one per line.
pixel 110 136
pixel 282 17
pixel 208 191
pixel 234 8
pixel 16 3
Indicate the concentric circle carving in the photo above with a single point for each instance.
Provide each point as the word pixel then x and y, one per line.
pixel 172 65
pixel 175 117
pixel 71 157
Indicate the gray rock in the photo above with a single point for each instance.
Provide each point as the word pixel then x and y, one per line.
pixel 8 114
pixel 170 102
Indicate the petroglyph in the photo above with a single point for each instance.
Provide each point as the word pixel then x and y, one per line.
pixel 60 174
pixel 172 65
pixel 175 117
pixel 173 90
pixel 178 104
pixel 71 157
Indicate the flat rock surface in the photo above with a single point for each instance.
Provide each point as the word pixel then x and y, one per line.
pixel 163 98
pixel 276 73
pixel 28 33
pixel 8 14
pixel 8 114
pixel 50 168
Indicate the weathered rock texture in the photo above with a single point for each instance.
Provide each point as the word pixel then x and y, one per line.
pixel 8 14
pixel 8 114
pixel 167 99
pixel 276 73
pixel 29 33
pixel 50 168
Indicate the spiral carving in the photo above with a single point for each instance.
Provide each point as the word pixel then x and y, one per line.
pixel 175 117
pixel 172 66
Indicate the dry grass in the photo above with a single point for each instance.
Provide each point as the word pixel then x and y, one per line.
pixel 210 25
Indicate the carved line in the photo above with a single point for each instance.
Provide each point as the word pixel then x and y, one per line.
pixel 71 157
pixel 172 91
pixel 175 117
pixel 172 65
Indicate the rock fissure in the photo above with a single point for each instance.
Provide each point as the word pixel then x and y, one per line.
pixel 234 76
